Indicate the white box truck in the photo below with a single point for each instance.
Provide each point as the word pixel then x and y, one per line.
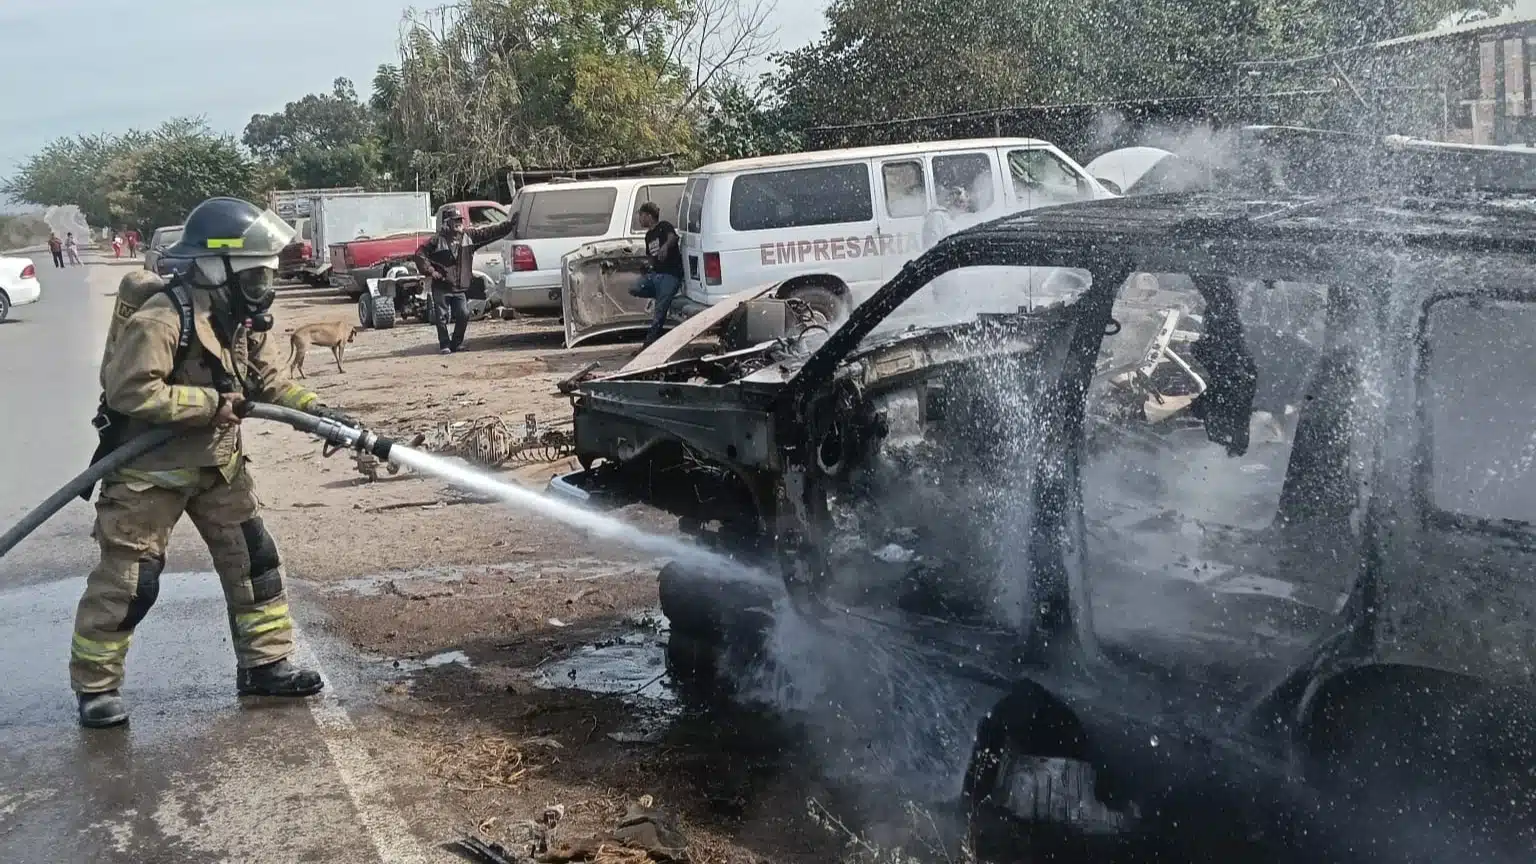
pixel 338 218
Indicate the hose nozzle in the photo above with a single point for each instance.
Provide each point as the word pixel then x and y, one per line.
pixel 334 434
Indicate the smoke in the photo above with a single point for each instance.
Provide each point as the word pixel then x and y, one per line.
pixel 1203 154
pixel 67 219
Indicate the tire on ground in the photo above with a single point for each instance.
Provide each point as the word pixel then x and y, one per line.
pixel 383 312
pixel 5 306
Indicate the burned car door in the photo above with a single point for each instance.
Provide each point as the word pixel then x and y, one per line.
pixel 596 282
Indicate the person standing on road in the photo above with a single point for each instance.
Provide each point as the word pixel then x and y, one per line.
pixel 665 278
pixel 131 237
pixel 448 259
pixel 56 249
pixel 150 379
pixel 71 248
pixel 117 245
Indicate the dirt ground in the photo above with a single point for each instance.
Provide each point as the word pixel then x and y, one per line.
pixel 407 570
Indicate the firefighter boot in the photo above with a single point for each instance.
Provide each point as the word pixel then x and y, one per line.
pixel 100 710
pixel 278 679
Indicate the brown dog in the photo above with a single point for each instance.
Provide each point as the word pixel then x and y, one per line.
pixel 330 334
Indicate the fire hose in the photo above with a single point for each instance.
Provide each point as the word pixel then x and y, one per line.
pixel 335 435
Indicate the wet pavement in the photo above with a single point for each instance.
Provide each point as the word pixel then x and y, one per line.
pixel 198 775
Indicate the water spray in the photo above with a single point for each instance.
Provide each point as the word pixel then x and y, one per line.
pixel 339 436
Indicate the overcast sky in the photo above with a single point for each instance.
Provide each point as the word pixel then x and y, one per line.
pixel 73 66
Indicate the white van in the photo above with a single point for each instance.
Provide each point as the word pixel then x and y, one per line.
pixel 834 225
pixel 555 219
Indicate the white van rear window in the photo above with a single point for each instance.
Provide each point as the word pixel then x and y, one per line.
pixel 566 213
pixel 801 197
pixel 668 198
pixel 693 204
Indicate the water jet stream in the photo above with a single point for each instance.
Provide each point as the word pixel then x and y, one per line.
pixel 599 524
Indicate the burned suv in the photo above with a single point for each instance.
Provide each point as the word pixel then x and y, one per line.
pixel 1239 535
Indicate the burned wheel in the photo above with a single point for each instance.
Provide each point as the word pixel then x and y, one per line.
pixel 1029 795
pixel 832 306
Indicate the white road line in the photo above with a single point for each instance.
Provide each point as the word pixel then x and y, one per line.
pixel 366 784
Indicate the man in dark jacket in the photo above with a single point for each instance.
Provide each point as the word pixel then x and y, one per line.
pixel 448 259
pixel 664 279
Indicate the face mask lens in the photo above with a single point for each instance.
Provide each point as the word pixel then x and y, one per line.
pixel 256 287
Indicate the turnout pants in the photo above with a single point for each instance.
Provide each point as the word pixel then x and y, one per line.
pixel 133 524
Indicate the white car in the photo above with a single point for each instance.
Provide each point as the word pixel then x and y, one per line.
pixel 555 219
pixel 18 284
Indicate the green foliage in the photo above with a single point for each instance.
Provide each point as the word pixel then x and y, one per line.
pixel 739 122
pixel 950 56
pixel 483 85
pixel 487 84
pixel 321 140
pixel 72 171
pixel 182 164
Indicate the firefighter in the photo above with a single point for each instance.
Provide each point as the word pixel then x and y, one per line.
pixel 154 372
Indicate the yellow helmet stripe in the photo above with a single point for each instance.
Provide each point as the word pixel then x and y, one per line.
pixel 226 242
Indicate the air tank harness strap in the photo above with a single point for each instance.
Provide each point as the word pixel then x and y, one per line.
pixel 111 424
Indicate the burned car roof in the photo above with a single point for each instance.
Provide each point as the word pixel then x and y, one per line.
pixel 1491 224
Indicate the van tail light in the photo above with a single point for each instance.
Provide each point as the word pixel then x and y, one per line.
pixel 29 272
pixel 711 268
pixel 523 260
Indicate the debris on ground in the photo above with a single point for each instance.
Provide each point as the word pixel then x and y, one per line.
pixel 645 835
pixel 474 766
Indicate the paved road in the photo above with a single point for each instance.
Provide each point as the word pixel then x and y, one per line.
pixel 198 775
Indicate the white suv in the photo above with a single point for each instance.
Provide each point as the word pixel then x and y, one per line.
pixel 555 219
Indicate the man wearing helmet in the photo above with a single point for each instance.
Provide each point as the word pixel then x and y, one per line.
pixel 190 357
pixel 447 258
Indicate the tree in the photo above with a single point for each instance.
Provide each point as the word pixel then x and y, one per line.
pixel 487 84
pixel 326 120
pixel 952 56
pixel 740 121
pixel 182 164
pixel 321 140
pixel 72 171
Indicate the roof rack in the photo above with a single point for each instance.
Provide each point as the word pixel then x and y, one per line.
pixel 517 177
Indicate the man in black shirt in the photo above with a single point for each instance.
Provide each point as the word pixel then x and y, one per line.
pixel 448 259
pixel 666 261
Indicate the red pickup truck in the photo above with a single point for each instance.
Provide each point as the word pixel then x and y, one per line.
pixel 355 262
pixel 298 257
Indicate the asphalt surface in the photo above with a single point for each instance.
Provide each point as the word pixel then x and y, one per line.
pixel 198 775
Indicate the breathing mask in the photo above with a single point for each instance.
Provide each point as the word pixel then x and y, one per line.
pixel 249 283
